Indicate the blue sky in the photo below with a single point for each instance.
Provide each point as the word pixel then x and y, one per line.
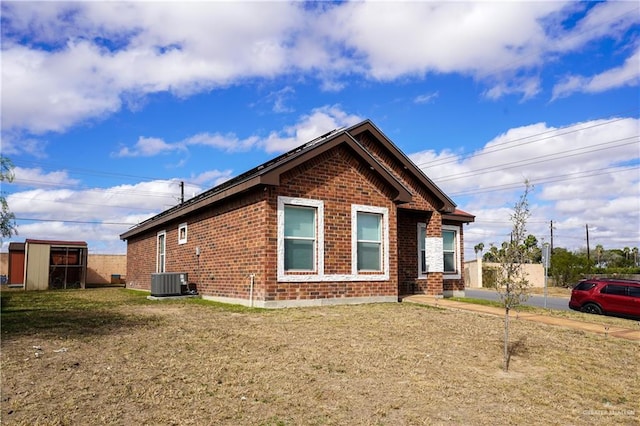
pixel 107 106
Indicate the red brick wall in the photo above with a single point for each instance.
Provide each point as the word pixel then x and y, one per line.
pixel 241 238
pixel 421 199
pixel 231 239
pixel 340 180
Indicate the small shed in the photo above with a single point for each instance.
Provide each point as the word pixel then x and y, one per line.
pixel 16 264
pixel 50 265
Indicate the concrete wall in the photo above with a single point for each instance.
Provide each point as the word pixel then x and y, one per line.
pixel 100 268
pixel 472 276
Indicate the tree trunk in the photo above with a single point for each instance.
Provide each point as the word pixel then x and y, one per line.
pixel 506 340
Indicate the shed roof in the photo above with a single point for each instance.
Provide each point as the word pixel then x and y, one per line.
pixel 59 243
pixel 269 173
pixel 14 246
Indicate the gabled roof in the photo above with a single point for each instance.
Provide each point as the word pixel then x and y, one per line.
pixel 269 174
pixel 367 126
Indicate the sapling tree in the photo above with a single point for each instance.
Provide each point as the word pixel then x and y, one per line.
pixel 7 218
pixel 511 283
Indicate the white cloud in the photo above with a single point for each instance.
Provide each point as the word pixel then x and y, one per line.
pixel 440 37
pixel 228 143
pixel 88 59
pixel 98 215
pixel 585 173
pixel 606 19
pixel 36 177
pixel 426 98
pixel 626 75
pixel 210 178
pixel 148 147
pixel 318 122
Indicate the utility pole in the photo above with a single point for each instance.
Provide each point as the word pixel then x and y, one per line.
pixel 181 192
pixel 588 254
pixel 551 227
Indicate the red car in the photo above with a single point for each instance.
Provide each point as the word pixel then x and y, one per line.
pixel 607 296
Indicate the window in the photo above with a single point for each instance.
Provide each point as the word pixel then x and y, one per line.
pixel 300 238
pixel 370 239
pixel 182 233
pixel 615 289
pixel 451 251
pixel 422 255
pixel 439 254
pixel 584 286
pixel 634 291
pixel 161 251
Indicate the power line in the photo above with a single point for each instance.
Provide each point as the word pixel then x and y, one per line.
pixel 501 146
pixel 540 159
pixel 108 191
pixel 90 222
pixel 549 179
pixel 67 202
pixel 101 173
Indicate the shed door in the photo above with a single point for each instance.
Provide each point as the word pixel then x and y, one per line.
pixel 16 267
pixel 37 267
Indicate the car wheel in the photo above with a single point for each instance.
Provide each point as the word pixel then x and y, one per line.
pixel 592 308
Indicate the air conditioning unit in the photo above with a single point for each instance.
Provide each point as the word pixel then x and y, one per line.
pixel 168 283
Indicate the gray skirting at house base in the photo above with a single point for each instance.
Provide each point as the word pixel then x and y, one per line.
pixel 300 303
pixel 185 296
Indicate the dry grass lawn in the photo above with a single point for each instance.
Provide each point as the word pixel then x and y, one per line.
pixel 109 356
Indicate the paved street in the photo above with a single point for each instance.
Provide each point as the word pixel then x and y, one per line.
pixel 559 303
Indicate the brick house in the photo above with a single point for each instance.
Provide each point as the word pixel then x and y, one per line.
pixel 345 218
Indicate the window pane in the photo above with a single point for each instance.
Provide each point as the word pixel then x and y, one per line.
pixel 449 262
pixel 298 255
pixel 299 222
pixel 422 234
pixel 423 265
pixel 369 256
pixel 369 227
pixel 615 289
pixel 448 240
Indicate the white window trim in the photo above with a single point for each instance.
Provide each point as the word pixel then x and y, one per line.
pixel 458 275
pixel 384 275
pixel 180 228
pixel 319 276
pixel 283 276
pixel 164 254
pixel 421 225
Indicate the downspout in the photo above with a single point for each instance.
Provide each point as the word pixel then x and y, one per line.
pixel 252 276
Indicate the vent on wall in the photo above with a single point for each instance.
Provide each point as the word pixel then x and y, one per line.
pixel 168 283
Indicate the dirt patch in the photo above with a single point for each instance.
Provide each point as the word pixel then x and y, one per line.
pixel 185 363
